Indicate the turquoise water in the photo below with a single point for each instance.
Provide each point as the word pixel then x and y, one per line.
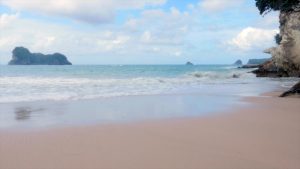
pixel 49 96
pixel 109 71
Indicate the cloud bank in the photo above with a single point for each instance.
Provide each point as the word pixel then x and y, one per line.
pixel 157 32
pixel 253 38
pixel 92 11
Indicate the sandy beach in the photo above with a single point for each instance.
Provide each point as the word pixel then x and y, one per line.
pixel 264 135
pixel 149 84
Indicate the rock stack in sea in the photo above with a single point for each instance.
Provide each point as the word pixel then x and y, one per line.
pixel 22 56
pixel 189 64
pixel 238 63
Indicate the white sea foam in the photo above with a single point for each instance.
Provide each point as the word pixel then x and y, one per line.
pixel 26 88
pixel 33 88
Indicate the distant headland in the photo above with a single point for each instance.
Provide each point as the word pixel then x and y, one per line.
pixel 22 56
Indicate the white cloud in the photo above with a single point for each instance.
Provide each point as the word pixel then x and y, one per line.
pixel 116 42
pixel 7 23
pixel 160 27
pixel 177 53
pixel 253 38
pixel 7 19
pixel 218 5
pixel 44 42
pixel 146 37
pixel 93 11
pixel 57 38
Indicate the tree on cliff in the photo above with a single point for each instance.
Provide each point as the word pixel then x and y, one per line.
pixel 265 6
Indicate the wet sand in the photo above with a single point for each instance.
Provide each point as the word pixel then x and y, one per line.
pixel 263 135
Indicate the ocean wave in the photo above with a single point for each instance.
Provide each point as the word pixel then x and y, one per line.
pixel 16 89
pixel 220 75
pixel 27 88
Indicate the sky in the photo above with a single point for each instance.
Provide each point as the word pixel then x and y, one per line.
pixel 138 31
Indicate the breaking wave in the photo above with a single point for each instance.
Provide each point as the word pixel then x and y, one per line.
pixel 24 87
pixel 17 89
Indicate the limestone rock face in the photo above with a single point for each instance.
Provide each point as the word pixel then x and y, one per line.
pixel 22 56
pixel 286 56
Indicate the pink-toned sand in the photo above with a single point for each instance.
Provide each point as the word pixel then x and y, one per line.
pixel 266 135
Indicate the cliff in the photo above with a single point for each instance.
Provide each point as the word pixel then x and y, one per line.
pixel 22 56
pixel 286 56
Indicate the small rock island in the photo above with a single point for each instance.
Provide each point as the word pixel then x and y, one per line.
pixel 238 62
pixel 22 56
pixel 189 64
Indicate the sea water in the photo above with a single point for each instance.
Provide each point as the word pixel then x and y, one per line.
pixel 52 95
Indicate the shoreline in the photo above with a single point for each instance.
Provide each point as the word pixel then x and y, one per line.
pixel 263 135
pixel 117 110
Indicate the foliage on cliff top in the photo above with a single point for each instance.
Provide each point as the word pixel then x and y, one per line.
pixel 265 6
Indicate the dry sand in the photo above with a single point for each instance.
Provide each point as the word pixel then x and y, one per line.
pixel 266 135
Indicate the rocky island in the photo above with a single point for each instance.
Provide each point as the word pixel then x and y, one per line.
pixel 189 64
pixel 22 56
pixel 238 62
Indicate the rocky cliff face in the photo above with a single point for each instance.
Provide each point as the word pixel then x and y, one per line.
pixel 286 56
pixel 22 56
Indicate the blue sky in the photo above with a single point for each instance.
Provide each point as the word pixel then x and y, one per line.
pixel 138 31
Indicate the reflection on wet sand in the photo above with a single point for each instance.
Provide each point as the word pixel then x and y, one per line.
pixel 24 113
